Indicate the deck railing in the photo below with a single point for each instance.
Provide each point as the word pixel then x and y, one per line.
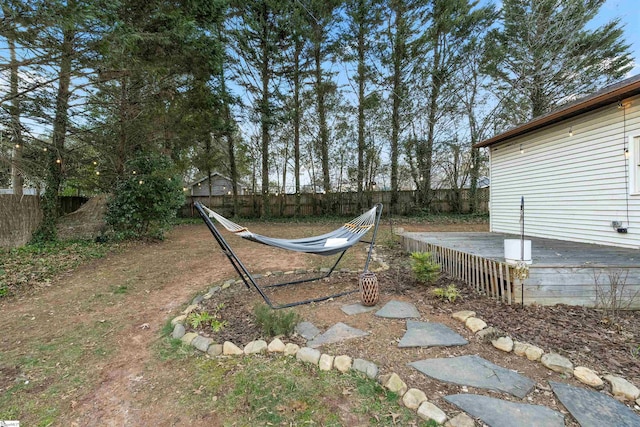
pixel 492 278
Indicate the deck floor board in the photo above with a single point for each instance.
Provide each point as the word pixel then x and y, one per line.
pixel 544 252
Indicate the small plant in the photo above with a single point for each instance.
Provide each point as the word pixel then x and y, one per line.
pixel 423 267
pixel 615 296
pixel 204 318
pixel 275 322
pixel 122 289
pixel 450 293
pixel 198 319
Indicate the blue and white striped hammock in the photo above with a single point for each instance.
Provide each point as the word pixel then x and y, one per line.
pixel 330 243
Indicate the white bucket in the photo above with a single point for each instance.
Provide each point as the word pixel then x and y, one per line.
pixel 513 251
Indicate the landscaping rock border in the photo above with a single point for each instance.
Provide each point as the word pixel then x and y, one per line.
pixel 411 398
pixel 621 389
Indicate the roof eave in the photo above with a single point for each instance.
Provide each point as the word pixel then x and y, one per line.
pixel 572 110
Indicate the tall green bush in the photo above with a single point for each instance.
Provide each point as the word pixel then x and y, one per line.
pixel 146 199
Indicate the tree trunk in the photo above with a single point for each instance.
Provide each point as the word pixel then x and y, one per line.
pixel 396 96
pixel 322 114
pixel 17 180
pixel 228 134
pixel 124 118
pixel 210 185
pixel 296 120
pixel 436 84
pixel 474 161
pixel 47 230
pixel 361 100
pixel 265 117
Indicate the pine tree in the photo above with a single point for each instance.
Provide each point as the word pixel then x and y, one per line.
pixel 322 17
pixel 65 32
pixel 545 55
pixel 256 32
pixel 402 34
pixel 453 23
pixel 364 18
pixel 15 127
pixel 296 71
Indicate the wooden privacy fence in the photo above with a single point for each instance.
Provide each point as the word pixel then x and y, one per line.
pixel 493 278
pixel 342 203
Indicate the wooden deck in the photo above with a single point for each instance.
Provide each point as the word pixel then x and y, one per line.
pixel 561 272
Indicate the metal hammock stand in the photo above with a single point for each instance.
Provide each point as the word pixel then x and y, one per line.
pixel 335 242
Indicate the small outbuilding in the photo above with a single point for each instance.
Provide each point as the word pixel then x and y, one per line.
pixel 220 186
pixel 578 169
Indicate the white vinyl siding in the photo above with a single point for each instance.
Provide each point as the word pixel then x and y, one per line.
pixel 573 186
pixel 634 164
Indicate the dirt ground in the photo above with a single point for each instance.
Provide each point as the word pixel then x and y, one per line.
pixel 128 297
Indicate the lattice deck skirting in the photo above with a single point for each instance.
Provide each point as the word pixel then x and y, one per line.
pixel 495 279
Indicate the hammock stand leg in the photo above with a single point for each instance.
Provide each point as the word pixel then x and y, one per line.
pixel 373 238
pixel 249 280
pixel 313 279
pixel 233 259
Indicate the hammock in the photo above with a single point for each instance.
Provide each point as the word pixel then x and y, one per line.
pixel 326 244
pixel 337 241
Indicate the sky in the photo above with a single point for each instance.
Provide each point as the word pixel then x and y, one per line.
pixel 628 11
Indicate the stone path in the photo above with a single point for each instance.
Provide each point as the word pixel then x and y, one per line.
pixel 475 371
pixel 588 407
pixel 592 408
pixel 352 309
pixel 501 413
pixel 398 310
pixel 336 333
pixel 430 334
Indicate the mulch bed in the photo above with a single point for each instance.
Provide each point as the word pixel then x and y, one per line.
pixel 584 335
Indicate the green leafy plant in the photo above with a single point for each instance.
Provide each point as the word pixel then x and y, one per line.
pixel 423 267
pixel 275 322
pixel 450 293
pixel 147 199
pixel 204 318
pixel 198 319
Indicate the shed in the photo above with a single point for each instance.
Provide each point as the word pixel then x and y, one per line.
pixel 578 169
pixel 221 186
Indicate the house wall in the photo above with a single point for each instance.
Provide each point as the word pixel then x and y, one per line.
pixel 221 187
pixel 573 186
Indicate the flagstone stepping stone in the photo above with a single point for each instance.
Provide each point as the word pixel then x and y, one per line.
pixel 352 309
pixel 398 310
pixel 336 333
pixel 474 371
pixel 429 334
pixel 307 330
pixel 501 413
pixel 592 408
